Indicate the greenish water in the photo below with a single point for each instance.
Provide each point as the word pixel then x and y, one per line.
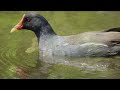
pixel 19 50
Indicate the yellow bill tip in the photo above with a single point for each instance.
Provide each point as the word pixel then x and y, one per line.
pixel 13 30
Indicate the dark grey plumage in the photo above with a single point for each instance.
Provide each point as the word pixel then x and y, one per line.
pixel 89 44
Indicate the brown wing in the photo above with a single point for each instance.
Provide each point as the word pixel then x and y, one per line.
pixel 108 38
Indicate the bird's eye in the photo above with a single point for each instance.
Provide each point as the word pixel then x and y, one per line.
pixel 27 19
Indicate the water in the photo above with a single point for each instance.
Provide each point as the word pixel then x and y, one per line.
pixel 19 51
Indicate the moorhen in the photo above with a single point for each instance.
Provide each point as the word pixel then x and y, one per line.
pixel 88 44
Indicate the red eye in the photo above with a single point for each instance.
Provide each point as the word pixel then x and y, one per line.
pixel 27 19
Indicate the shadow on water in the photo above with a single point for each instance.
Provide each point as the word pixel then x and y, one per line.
pixel 85 68
pixel 19 51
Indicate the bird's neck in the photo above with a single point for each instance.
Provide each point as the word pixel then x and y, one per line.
pixel 45 33
pixel 46 37
pixel 46 30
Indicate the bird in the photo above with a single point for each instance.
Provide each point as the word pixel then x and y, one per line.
pixel 53 47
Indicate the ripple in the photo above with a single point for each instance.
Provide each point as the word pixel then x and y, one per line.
pixel 9 61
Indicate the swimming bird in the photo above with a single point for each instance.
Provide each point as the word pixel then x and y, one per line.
pixel 87 44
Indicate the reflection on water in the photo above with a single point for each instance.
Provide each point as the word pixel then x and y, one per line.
pixel 19 51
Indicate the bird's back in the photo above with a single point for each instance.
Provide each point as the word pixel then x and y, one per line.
pixel 88 44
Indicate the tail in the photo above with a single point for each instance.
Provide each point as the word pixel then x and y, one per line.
pixel 112 30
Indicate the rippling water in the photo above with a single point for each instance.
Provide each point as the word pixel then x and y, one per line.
pixel 19 51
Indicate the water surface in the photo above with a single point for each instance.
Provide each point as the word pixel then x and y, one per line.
pixel 19 50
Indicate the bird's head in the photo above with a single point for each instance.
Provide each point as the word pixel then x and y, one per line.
pixel 30 22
